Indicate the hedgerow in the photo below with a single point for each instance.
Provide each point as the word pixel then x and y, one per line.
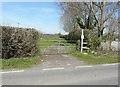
pixel 19 42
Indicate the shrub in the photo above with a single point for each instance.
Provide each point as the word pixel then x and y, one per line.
pixel 92 39
pixel 73 36
pixel 19 42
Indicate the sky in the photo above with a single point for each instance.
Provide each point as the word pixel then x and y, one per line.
pixel 43 16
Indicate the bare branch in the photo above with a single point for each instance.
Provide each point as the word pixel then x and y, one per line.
pixel 110 14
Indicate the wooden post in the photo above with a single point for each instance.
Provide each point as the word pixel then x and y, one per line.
pixel 82 37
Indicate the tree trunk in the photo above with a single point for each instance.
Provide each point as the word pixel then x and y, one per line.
pixel 102 19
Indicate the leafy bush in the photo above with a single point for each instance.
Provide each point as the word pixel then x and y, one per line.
pixel 92 39
pixel 73 36
pixel 19 42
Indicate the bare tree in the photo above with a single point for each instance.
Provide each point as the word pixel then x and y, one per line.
pixel 68 17
pixel 105 11
pixel 88 15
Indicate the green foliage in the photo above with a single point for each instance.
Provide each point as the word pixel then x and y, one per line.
pixel 92 39
pixel 73 36
pixel 19 43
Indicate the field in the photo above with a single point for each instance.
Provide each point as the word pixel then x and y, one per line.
pixel 45 42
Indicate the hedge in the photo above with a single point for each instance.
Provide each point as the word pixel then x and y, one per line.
pixel 19 42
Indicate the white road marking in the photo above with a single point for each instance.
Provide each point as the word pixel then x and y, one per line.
pixel 82 66
pixel 96 65
pixel 109 64
pixel 12 71
pixel 54 68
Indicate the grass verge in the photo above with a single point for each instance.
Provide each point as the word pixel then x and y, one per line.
pixel 19 63
pixel 91 59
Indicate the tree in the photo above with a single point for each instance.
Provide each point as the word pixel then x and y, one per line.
pixel 88 15
pixel 68 19
pixel 112 31
pixel 105 11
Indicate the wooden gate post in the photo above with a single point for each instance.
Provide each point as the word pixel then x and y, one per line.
pixel 82 37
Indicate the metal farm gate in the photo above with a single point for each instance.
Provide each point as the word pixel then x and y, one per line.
pixel 58 48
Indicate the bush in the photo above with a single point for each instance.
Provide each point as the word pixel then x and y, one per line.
pixel 92 39
pixel 62 36
pixel 19 42
pixel 73 36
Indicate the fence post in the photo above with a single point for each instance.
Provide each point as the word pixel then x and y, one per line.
pixel 82 37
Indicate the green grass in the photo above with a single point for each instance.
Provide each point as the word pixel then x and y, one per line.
pixel 19 62
pixel 91 59
pixel 45 42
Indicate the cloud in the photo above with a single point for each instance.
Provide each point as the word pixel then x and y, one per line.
pixel 26 9
pixel 43 9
